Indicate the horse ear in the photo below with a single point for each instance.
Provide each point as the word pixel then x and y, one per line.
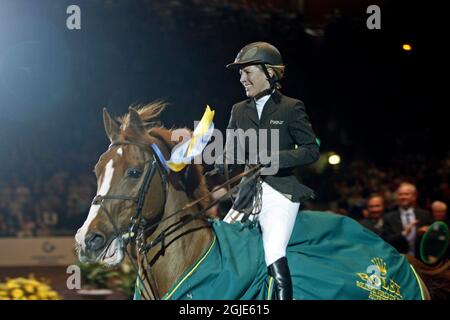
pixel 135 121
pixel 111 127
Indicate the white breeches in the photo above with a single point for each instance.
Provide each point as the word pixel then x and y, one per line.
pixel 277 219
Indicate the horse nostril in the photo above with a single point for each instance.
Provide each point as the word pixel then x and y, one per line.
pixel 95 241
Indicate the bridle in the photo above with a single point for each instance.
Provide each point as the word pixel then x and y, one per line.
pixel 139 228
pixel 151 166
pixel 135 230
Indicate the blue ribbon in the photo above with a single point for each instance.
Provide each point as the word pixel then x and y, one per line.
pixel 160 156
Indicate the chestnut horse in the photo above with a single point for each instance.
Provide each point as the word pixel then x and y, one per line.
pixel 120 171
pixel 143 208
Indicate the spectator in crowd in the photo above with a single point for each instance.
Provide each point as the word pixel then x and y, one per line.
pixel 27 228
pixel 3 226
pixel 404 226
pixel 375 210
pixel 439 211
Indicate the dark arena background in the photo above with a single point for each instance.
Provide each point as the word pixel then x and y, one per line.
pixel 375 97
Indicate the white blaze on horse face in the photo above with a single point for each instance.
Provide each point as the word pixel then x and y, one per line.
pixel 93 211
pixel 120 151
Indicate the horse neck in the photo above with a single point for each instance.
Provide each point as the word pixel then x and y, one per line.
pixel 184 251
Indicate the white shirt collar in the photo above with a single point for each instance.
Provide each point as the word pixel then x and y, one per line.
pixel 405 211
pixel 263 99
pixel 260 103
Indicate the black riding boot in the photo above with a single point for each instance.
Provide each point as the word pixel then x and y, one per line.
pixel 279 270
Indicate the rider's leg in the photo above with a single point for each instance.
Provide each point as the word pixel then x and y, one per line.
pixel 277 219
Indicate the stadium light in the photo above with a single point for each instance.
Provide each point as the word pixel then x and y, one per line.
pixel 334 159
pixel 406 47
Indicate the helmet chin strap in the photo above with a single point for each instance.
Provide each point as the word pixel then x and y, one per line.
pixel 274 84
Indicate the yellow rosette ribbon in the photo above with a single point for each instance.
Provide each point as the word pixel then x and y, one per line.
pixel 182 155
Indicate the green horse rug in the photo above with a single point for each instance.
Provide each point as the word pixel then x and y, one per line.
pixel 330 257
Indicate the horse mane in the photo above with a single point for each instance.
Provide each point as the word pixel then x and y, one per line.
pixel 147 112
pixel 192 176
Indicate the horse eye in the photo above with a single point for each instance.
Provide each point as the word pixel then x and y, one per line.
pixel 133 173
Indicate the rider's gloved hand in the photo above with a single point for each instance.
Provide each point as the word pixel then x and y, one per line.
pixel 244 198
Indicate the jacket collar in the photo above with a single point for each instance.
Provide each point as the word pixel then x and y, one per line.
pixel 269 108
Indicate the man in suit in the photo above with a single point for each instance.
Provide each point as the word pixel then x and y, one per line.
pixel 375 210
pixel 404 226
pixel 268 111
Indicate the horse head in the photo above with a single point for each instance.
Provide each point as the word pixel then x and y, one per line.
pixel 121 171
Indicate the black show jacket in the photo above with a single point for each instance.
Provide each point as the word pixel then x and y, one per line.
pixel 298 145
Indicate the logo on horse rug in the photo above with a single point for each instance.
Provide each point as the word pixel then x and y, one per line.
pixel 375 281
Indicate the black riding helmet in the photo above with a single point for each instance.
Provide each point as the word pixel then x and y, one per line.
pixel 259 53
